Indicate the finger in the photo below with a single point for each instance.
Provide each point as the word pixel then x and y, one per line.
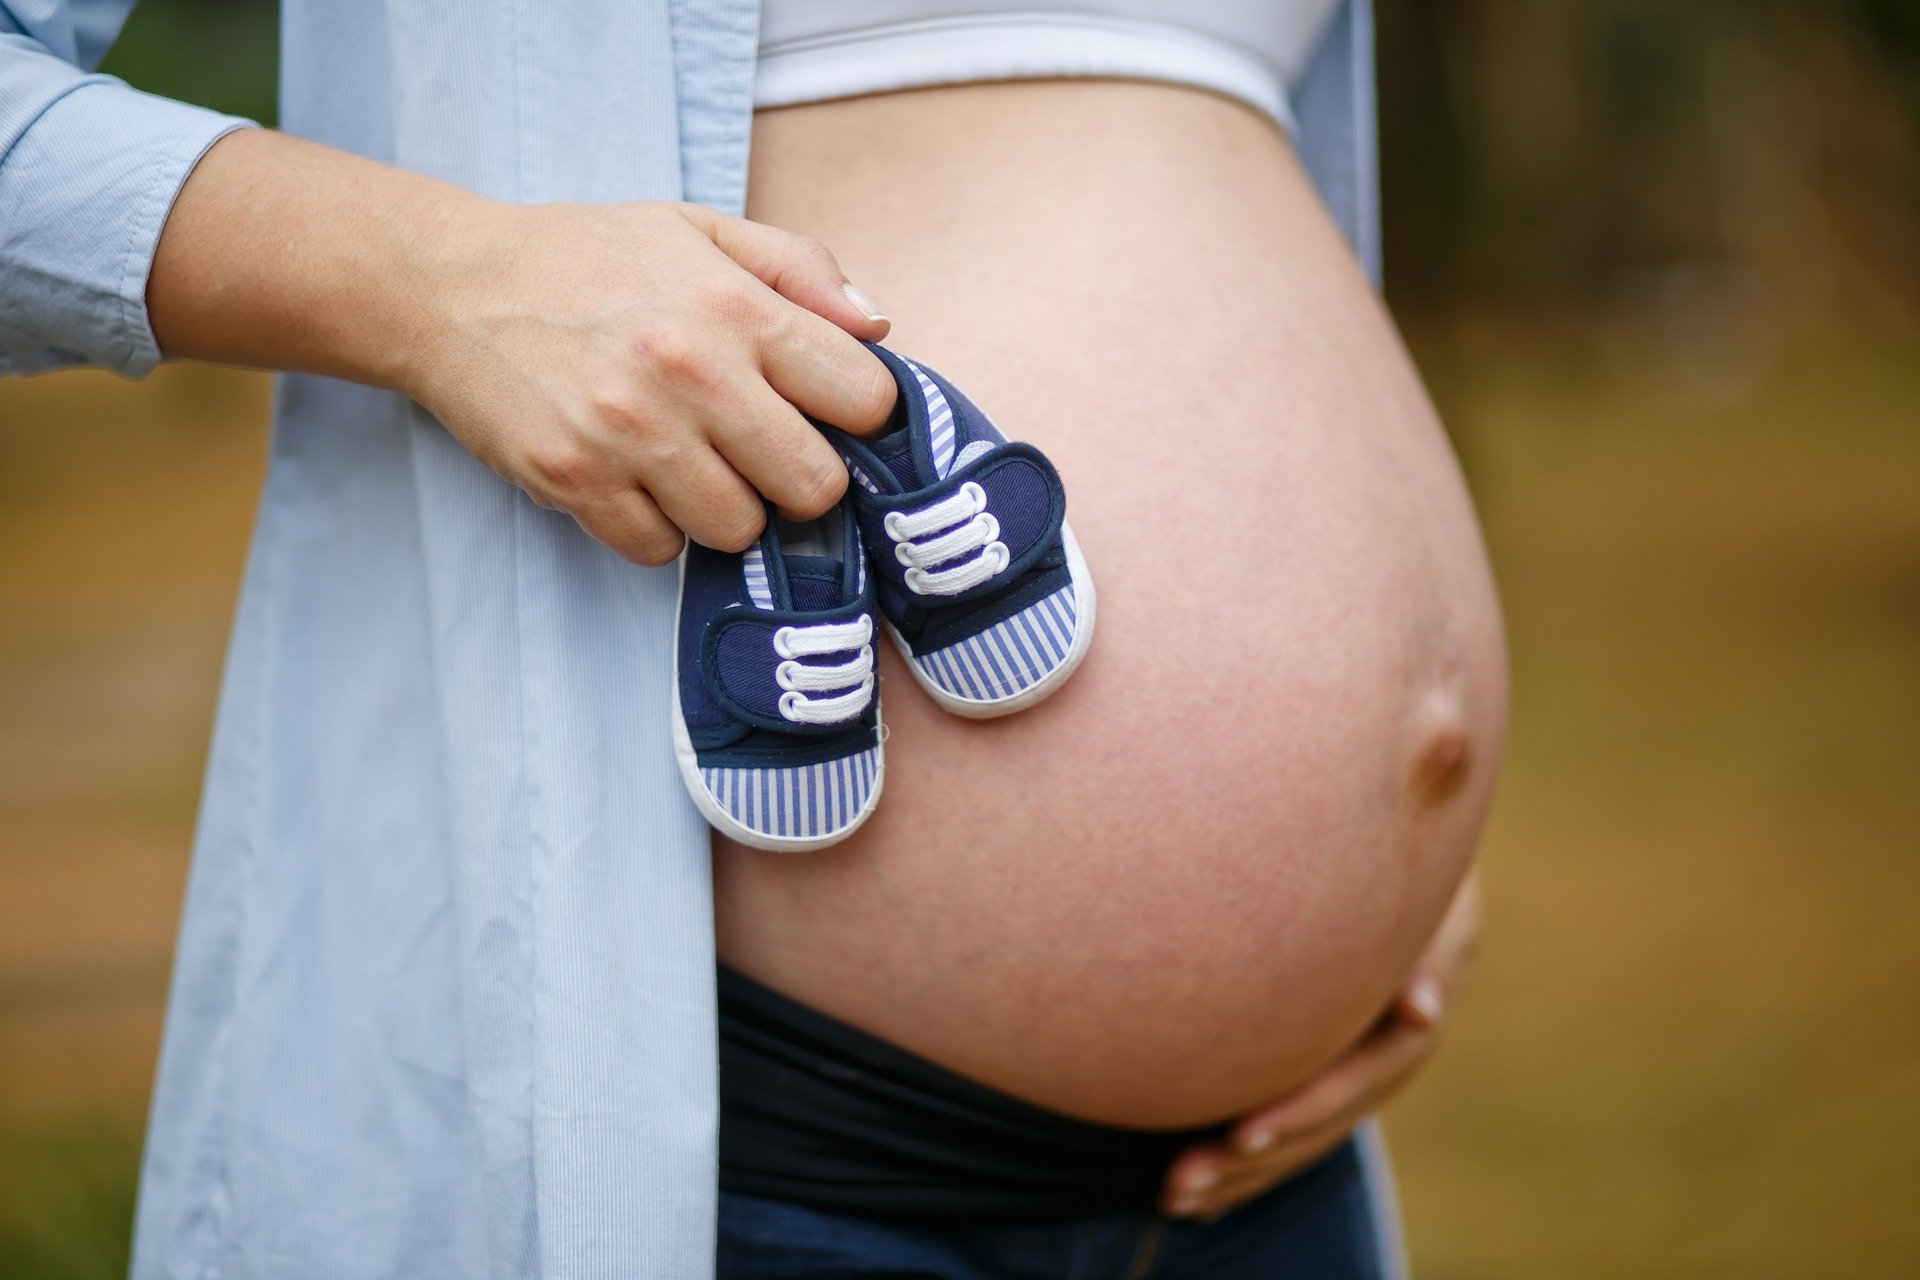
pixel 1201 1172
pixel 1206 1186
pixel 782 455
pixel 1367 1073
pixel 1429 989
pixel 632 524
pixel 1213 1174
pixel 1356 1085
pixel 1466 914
pixel 1197 1170
pixel 827 375
pixel 1423 1001
pixel 711 503
pixel 800 269
pixel 1450 952
pixel 1249 1183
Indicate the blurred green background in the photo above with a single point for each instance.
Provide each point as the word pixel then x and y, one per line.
pixel 1661 266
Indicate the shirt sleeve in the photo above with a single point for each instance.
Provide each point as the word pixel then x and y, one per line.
pixel 89 169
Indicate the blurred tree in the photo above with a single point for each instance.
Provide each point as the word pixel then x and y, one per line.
pixel 223 54
pixel 1583 159
pixel 1695 169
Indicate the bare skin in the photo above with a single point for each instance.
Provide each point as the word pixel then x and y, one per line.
pixel 1199 877
pixel 642 367
pixel 1271 1144
pixel 1194 293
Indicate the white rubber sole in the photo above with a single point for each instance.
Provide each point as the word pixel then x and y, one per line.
pixel 722 821
pixel 978 709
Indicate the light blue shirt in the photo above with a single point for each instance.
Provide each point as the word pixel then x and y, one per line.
pixel 443 1000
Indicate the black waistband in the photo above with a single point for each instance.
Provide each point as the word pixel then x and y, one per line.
pixel 821 1114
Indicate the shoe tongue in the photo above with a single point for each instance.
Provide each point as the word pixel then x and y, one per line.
pixel 896 450
pixel 814 582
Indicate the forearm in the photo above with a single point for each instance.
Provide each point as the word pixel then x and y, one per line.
pixel 649 367
pixel 284 254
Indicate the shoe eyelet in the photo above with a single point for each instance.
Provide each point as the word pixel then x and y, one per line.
pixel 783 674
pixel 891 523
pixel 976 495
pixel 782 640
pixel 904 553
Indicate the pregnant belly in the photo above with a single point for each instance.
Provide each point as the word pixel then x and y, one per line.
pixel 1200 871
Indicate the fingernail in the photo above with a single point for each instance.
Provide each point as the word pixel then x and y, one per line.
pixel 1257 1142
pixel 1424 995
pixel 1193 1195
pixel 862 303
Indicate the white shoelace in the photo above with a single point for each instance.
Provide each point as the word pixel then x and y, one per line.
pixel 968 536
pixel 798 679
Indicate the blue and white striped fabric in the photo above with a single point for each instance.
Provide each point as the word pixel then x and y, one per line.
pixel 939 422
pixel 800 802
pixel 753 563
pixel 1013 654
pixel 536 1098
pixel 940 435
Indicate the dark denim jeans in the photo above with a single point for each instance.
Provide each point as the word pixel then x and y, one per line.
pixel 1321 1225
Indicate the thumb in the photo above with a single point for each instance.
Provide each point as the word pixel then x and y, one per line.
pixel 1423 1000
pixel 801 270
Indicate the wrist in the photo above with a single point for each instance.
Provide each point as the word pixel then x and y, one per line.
pixel 284 254
pixel 440 249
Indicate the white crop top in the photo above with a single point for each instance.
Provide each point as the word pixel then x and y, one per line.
pixel 1253 50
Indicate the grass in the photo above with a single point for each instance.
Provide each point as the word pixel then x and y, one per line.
pixel 1692 1047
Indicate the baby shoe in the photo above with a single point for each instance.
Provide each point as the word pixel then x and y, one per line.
pixel 975 570
pixel 777 719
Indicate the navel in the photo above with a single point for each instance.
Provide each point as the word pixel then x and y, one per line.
pixel 1444 755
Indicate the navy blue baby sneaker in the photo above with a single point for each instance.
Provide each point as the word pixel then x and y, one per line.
pixel 777 722
pixel 975 569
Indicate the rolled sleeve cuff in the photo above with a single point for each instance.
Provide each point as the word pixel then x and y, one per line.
pixel 84 193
